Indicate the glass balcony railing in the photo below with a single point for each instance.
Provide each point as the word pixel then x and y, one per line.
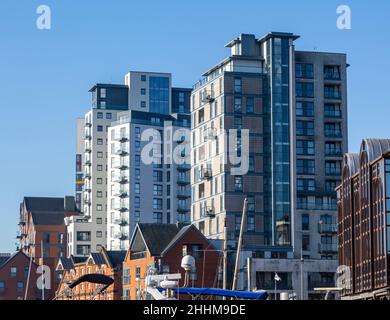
pixel 327 228
pixel 328 248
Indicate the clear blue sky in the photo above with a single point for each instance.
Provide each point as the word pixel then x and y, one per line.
pixel 45 75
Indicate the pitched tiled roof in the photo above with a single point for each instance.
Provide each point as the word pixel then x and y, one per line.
pixel 44 204
pixel 116 257
pixel 4 258
pixel 48 218
pixel 98 258
pixel 158 236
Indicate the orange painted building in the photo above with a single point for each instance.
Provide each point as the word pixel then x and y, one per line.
pixel 161 247
pixel 79 276
pixel 16 277
pixel 42 232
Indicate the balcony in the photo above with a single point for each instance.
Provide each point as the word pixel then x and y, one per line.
pixel 121 236
pixel 327 228
pixel 333 153
pixel 122 221
pixel 88 189
pixel 121 193
pixel 207 96
pixel 88 163
pixel 328 248
pixel 121 165
pixel 206 174
pixel 88 136
pixel 122 152
pixel 183 208
pixel 210 134
pixel 183 180
pixel 88 124
pixel 137 255
pixel 328 283
pixel 121 179
pixel 208 211
pixel 333 133
pixel 332 95
pixel 183 167
pixel 121 139
pixel 87 201
pixel 88 175
pixel 183 193
pixel 122 207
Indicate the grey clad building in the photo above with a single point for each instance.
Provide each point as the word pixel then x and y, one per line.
pixel 294 106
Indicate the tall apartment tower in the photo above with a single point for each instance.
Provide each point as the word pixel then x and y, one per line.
pixel 80 137
pixel 150 187
pixel 87 232
pixel 293 105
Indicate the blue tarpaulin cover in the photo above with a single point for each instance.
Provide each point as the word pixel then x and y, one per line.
pixel 257 295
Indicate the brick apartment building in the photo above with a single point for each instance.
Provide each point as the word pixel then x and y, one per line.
pixel 161 247
pixel 15 279
pixel 96 277
pixel 42 224
pixel 364 221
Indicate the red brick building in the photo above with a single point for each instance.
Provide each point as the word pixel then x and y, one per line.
pixel 162 247
pixel 97 277
pixel 42 232
pixel 15 278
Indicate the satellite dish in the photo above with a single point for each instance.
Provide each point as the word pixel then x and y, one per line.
pixel 188 263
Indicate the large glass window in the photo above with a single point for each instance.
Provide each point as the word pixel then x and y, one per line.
pixel 305 166
pixel 305 89
pixel 159 94
pixel 237 85
pixel 332 110
pixel 304 70
pixel 304 109
pixel 305 147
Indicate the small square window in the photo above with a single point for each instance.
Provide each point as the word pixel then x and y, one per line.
pixel 109 115
pixel 143 91
pixel 143 77
pixel 143 104
pixel 100 115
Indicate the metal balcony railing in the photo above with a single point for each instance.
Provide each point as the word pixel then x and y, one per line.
pixel 182 208
pixel 330 248
pixel 121 139
pixel 327 228
pixel 122 152
pixel 121 179
pixel 207 96
pixel 183 179
pixel 183 193
pixel 121 235
pixel 183 167
pixel 206 174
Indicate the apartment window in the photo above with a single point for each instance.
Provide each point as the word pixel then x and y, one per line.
pixel 304 109
pixel 157 176
pixel 99 207
pixel 238 123
pixel 251 223
pixel 332 129
pixel 305 166
pixel 137 202
pixel 305 242
pixel 143 77
pixel 157 216
pixel 99 220
pixel 157 204
pixel 83 236
pixel 137 131
pixel 99 194
pixel 99 128
pixel 99 234
pixel 305 147
pixel 333 149
pixel 100 142
pixel 2 286
pixel 126 276
pixel 99 115
pixel 305 128
pixel 137 160
pixel 19 286
pixel 157 190
pixel 237 222
pixel 137 215
pixel 305 89
pixel 249 105
pixel 200 116
pixel 100 154
pixel 251 164
pixel 13 272
pixel 99 180
pixel 332 110
pixel 103 104
pixel 137 188
pixel 306 185
pixel 137 174
pixel 238 183
pixel 305 222
pixel 237 85
pixel 332 92
pixel 238 104
pixel 333 168
pixel 108 115
pixel 331 185
pixel 83 249
pixel 99 167
pixel 332 73
pixel 143 91
pixel 304 70
pixel 143 104
pixel 103 93
pixel 137 146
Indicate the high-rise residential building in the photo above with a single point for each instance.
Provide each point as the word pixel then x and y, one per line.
pixel 80 136
pixel 364 222
pixel 87 231
pixel 145 182
pixel 290 111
